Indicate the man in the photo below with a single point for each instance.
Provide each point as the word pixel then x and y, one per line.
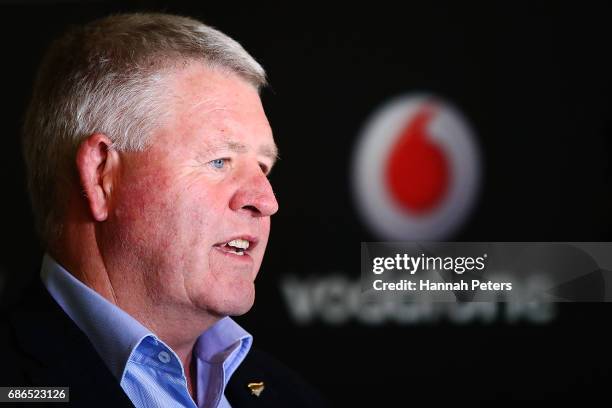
pixel 147 151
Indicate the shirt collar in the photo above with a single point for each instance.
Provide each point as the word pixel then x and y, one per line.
pixel 115 334
pixel 225 342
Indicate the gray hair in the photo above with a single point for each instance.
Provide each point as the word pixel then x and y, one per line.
pixel 109 76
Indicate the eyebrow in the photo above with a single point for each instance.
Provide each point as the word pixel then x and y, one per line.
pixel 269 151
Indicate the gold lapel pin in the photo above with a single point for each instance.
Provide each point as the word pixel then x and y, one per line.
pixel 256 388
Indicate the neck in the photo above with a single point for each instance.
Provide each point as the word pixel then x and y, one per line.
pixel 117 283
pixel 86 266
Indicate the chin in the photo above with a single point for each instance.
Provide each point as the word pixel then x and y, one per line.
pixel 235 305
pixel 239 311
pixel 243 305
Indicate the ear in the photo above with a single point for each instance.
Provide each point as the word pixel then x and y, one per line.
pixel 98 166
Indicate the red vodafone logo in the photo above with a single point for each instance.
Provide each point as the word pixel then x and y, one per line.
pixel 416 169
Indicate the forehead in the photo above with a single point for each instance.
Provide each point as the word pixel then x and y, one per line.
pixel 215 104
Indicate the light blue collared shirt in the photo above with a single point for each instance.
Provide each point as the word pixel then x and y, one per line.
pixel 150 372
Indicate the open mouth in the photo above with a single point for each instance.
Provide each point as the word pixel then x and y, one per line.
pixel 238 246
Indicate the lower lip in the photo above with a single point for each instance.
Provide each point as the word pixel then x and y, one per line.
pixel 245 257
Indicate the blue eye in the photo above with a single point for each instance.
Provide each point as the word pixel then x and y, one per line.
pixel 218 163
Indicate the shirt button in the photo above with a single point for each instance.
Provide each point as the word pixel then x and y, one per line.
pixel 163 356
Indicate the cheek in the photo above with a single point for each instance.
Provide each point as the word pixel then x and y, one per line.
pixel 142 207
pixel 165 212
pixel 151 217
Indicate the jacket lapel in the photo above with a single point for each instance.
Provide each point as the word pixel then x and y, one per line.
pixel 56 353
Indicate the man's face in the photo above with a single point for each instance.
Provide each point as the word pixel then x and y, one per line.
pixel 201 185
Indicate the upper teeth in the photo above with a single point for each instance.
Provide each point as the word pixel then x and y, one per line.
pixel 239 243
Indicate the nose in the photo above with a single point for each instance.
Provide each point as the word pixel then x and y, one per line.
pixel 255 195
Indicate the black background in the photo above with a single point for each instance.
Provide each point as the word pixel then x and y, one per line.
pixel 533 79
